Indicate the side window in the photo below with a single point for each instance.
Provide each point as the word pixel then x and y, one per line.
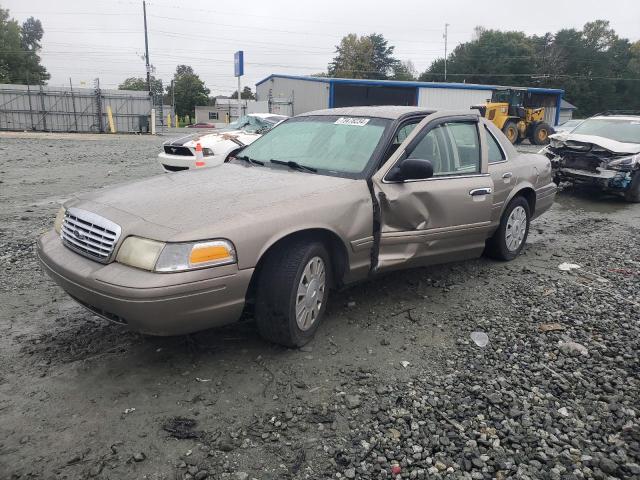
pixel 453 148
pixel 432 147
pixel 466 147
pixel 495 152
pixel 400 136
pixel 404 132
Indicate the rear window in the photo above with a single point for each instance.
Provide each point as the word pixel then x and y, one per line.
pixel 620 130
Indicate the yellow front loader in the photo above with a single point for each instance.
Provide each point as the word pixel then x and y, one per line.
pixel 507 111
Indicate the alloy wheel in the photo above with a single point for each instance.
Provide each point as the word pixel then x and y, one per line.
pixel 516 228
pixel 311 293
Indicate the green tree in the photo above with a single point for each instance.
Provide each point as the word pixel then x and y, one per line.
pixel 190 91
pixel 495 57
pixel 404 71
pixel 139 83
pixel 367 56
pixel 19 47
pixel 597 69
pixel 247 94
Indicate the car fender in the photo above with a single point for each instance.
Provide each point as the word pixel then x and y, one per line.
pixel 521 186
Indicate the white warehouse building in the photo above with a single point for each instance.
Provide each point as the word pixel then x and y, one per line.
pixel 292 95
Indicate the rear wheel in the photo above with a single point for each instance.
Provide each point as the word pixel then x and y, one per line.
pixel 510 129
pixel 540 132
pixel 633 193
pixel 293 288
pixel 509 239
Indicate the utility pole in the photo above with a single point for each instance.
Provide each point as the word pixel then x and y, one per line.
pixel 173 97
pixel 146 46
pixel 446 37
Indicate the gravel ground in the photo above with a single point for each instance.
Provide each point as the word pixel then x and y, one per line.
pixel 394 385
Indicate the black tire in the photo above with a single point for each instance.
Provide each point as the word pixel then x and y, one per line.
pixel 277 288
pixel 540 132
pixel 633 193
pixel 510 129
pixel 497 245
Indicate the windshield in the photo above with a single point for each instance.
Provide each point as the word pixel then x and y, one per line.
pixel 331 144
pixel 621 130
pixel 250 124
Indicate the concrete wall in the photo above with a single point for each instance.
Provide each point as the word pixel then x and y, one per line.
pixel 302 95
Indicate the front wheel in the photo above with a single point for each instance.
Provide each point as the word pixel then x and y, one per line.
pixel 509 239
pixel 540 133
pixel 510 129
pixel 293 289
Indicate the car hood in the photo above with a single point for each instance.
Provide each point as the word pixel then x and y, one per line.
pixel 218 199
pixel 566 139
pixel 208 140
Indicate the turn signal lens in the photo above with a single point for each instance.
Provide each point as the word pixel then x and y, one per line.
pixel 209 252
pixel 57 224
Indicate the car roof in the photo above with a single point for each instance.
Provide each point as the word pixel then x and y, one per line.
pixel 631 118
pixel 383 111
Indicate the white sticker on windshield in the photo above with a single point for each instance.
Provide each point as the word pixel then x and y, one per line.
pixel 356 122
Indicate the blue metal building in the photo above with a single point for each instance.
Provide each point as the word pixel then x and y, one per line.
pixel 294 94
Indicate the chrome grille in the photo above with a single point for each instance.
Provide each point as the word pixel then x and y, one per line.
pixel 89 234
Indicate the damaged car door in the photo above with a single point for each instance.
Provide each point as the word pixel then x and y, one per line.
pixel 435 195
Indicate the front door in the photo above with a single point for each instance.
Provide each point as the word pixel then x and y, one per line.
pixel 442 218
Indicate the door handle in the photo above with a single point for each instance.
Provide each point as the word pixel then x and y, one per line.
pixel 480 191
pixel 507 175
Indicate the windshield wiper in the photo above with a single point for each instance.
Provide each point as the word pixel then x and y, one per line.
pixel 250 160
pixel 295 165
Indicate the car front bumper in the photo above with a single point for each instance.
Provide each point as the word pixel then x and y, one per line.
pixel 151 303
pixel 176 163
pixel 608 179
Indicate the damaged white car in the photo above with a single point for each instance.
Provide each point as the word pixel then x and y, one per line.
pixel 604 150
pixel 180 154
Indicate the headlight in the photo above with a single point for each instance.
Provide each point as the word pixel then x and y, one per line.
pixel 139 252
pixel 57 224
pixel 175 257
pixel 624 163
pixel 207 152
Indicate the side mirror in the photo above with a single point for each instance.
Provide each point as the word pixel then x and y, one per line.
pixel 411 169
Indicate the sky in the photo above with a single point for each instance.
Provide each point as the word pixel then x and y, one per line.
pixel 88 39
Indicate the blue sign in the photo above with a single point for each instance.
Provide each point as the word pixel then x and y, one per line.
pixel 238 63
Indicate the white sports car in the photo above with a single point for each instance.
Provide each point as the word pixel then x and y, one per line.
pixel 180 154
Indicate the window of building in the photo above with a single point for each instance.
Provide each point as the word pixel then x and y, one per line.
pixel 213 115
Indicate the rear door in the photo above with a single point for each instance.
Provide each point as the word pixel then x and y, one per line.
pixel 444 217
